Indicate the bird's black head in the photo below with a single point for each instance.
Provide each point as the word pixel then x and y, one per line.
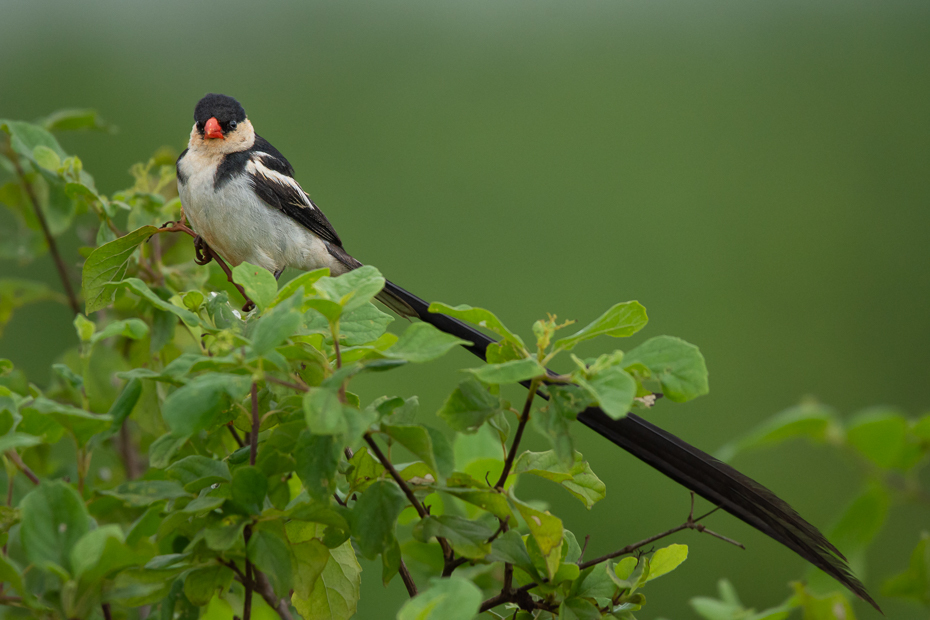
pixel 224 112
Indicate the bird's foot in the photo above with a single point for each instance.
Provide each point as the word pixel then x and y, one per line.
pixel 202 253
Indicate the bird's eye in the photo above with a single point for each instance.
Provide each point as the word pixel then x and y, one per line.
pixel 232 124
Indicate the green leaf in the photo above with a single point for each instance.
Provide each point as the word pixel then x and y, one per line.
pixel 146 492
pixel 270 553
pixel 317 459
pixel 163 449
pixel 76 119
pixel 508 372
pixel 469 406
pixel 202 584
pixel 421 342
pixel 880 435
pixel 829 607
pixel 85 329
pixel 134 329
pixel 108 263
pixel 578 479
pixel 197 472
pixel 101 552
pixel 274 328
pixel 468 538
pixel 469 490
pixel 810 420
pixel 613 389
pixel 225 533
pixel 25 137
pixel 141 289
pixel 593 582
pixel 324 412
pixel 53 520
pixel 417 439
pixel 353 289
pixel 546 530
pixel 478 316
pixel 10 573
pixel 82 424
pixel 46 157
pixel 335 593
pixel 258 282
pixel 124 405
pixel 578 609
pixel 374 515
pixel 195 406
pixel 363 325
pixel 509 547
pixel 622 320
pixel 554 421
pixel 913 583
pixel 249 487
pixel 666 559
pixel 451 598
pixel 678 365
pixel 305 280
pixel 12 441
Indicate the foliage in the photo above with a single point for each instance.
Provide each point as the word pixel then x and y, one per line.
pixel 188 455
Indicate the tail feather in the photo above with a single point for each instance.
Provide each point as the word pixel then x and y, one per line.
pixel 696 470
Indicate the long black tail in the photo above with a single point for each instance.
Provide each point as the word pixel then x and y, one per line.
pixel 717 482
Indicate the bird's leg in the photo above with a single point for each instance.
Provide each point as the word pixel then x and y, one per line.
pixel 202 253
pixel 277 273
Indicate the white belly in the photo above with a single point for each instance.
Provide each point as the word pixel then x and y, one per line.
pixel 242 228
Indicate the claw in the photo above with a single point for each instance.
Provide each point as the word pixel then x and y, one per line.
pixel 202 254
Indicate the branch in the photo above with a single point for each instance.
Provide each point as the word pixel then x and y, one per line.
pixel 446 547
pixel 267 592
pixel 408 580
pixel 519 595
pixel 287 384
pixel 18 461
pixel 247 602
pixel 253 436
pixel 49 239
pixel 200 246
pixel 524 418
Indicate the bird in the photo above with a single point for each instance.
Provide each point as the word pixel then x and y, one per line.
pixel 241 198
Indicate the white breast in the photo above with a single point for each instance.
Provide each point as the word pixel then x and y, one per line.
pixel 240 226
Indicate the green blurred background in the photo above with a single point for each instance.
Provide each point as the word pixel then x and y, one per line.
pixel 757 174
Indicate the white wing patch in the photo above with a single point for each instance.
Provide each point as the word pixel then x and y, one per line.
pixel 255 166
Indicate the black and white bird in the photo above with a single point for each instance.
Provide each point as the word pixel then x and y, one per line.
pixel 240 196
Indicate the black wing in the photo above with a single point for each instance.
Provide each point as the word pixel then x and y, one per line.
pixel 272 179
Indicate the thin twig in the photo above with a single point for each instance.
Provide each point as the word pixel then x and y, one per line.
pixel 179 226
pixel 524 418
pixel 127 453
pixel 253 436
pixel 446 547
pixel 587 539
pixel 408 580
pixel 13 456
pixel 247 603
pixel 516 596
pixel 107 614
pixel 235 435
pixel 49 239
pixel 293 386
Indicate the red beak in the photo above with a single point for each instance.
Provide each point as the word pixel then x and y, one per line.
pixel 212 129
